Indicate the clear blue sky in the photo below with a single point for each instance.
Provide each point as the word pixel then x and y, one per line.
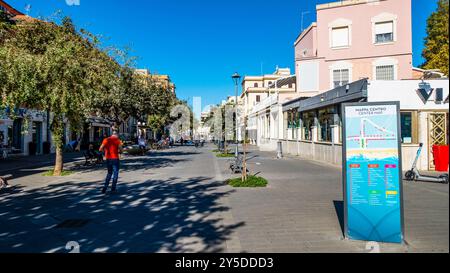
pixel 200 43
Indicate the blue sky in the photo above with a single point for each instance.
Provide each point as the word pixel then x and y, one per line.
pixel 201 43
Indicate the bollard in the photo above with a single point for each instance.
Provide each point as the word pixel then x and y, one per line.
pixel 280 150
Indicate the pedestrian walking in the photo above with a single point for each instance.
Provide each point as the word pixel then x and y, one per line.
pixel 142 142
pixel 112 147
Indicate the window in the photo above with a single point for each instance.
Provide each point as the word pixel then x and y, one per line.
pixel 256 84
pixel 258 98
pixel 308 123
pixel 385 73
pixel 384 32
pixel 290 85
pixel 326 120
pixel 340 37
pixel 2 138
pixel 407 127
pixel 293 122
pixel 340 77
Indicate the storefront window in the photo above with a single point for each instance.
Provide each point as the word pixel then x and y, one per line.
pixel 326 120
pixel 406 127
pixel 292 122
pixel 308 123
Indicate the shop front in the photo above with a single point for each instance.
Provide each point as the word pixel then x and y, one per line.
pixel 313 126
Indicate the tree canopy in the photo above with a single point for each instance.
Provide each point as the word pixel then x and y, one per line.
pixel 57 68
pixel 436 43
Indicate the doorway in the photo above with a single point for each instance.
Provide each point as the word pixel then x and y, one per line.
pixel 438 133
pixel 16 134
pixel 37 136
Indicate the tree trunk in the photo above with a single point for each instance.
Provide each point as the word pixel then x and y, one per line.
pixel 58 161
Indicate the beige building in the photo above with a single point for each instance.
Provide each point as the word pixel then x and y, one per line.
pixel 163 80
pixel 257 88
pixel 256 92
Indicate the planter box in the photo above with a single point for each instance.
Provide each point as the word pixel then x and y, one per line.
pixel 440 155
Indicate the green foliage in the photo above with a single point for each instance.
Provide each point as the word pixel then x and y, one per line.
pixel 436 52
pixel 225 155
pixel 63 173
pixel 251 182
pixel 53 68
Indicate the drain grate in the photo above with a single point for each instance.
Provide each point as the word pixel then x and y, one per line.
pixel 73 223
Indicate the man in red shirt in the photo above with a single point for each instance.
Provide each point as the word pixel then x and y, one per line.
pixel 112 147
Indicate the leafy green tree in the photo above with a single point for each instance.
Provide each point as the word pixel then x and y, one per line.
pixel 436 43
pixel 53 68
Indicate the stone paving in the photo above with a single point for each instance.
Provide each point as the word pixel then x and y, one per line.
pixel 175 201
pixel 302 210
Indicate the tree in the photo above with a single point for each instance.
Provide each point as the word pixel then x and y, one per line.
pixel 54 68
pixel 436 43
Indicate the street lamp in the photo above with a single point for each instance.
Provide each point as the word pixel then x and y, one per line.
pixel 236 78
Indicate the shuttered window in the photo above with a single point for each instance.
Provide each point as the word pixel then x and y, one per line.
pixel 385 73
pixel 340 77
pixel 384 32
pixel 340 37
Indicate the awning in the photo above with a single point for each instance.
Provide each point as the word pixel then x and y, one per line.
pixel 354 91
pixel 284 82
pixel 98 122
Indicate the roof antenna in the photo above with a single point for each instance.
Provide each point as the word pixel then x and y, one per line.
pixel 27 9
pixel 303 14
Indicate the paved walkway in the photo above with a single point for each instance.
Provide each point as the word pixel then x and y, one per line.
pixel 176 201
pixel 302 210
pixel 14 164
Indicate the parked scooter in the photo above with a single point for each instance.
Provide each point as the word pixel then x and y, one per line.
pixel 415 175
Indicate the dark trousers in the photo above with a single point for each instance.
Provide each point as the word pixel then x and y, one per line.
pixel 113 172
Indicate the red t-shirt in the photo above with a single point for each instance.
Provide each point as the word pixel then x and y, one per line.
pixel 111 147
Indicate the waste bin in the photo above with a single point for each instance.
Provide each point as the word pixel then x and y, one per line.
pixel 440 155
pixel 32 148
pixel 46 148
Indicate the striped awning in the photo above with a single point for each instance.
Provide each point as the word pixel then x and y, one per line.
pixel 284 82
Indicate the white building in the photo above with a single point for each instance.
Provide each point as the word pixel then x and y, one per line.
pixel 256 90
pixel 312 127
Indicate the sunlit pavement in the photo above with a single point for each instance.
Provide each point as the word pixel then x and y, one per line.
pixel 175 201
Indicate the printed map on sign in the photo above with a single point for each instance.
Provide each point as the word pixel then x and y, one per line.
pixel 373 169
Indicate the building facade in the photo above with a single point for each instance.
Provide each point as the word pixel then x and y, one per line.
pixel 352 40
pixel 259 89
pixel 313 127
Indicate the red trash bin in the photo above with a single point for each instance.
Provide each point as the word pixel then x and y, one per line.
pixel 440 154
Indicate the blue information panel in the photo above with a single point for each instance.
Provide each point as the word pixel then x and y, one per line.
pixel 373 199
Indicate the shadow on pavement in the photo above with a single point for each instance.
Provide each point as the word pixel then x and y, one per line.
pixel 172 215
pixel 339 207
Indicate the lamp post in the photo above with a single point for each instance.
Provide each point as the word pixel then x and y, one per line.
pixel 236 78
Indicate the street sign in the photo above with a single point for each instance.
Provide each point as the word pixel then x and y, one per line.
pixel 372 172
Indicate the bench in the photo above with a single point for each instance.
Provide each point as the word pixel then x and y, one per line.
pixel 237 165
pixel 4 180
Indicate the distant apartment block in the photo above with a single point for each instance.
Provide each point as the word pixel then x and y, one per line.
pixel 162 80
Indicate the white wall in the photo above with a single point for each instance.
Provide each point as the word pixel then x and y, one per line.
pixel 406 92
pixel 308 76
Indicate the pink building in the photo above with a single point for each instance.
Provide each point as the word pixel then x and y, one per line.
pixel 354 39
